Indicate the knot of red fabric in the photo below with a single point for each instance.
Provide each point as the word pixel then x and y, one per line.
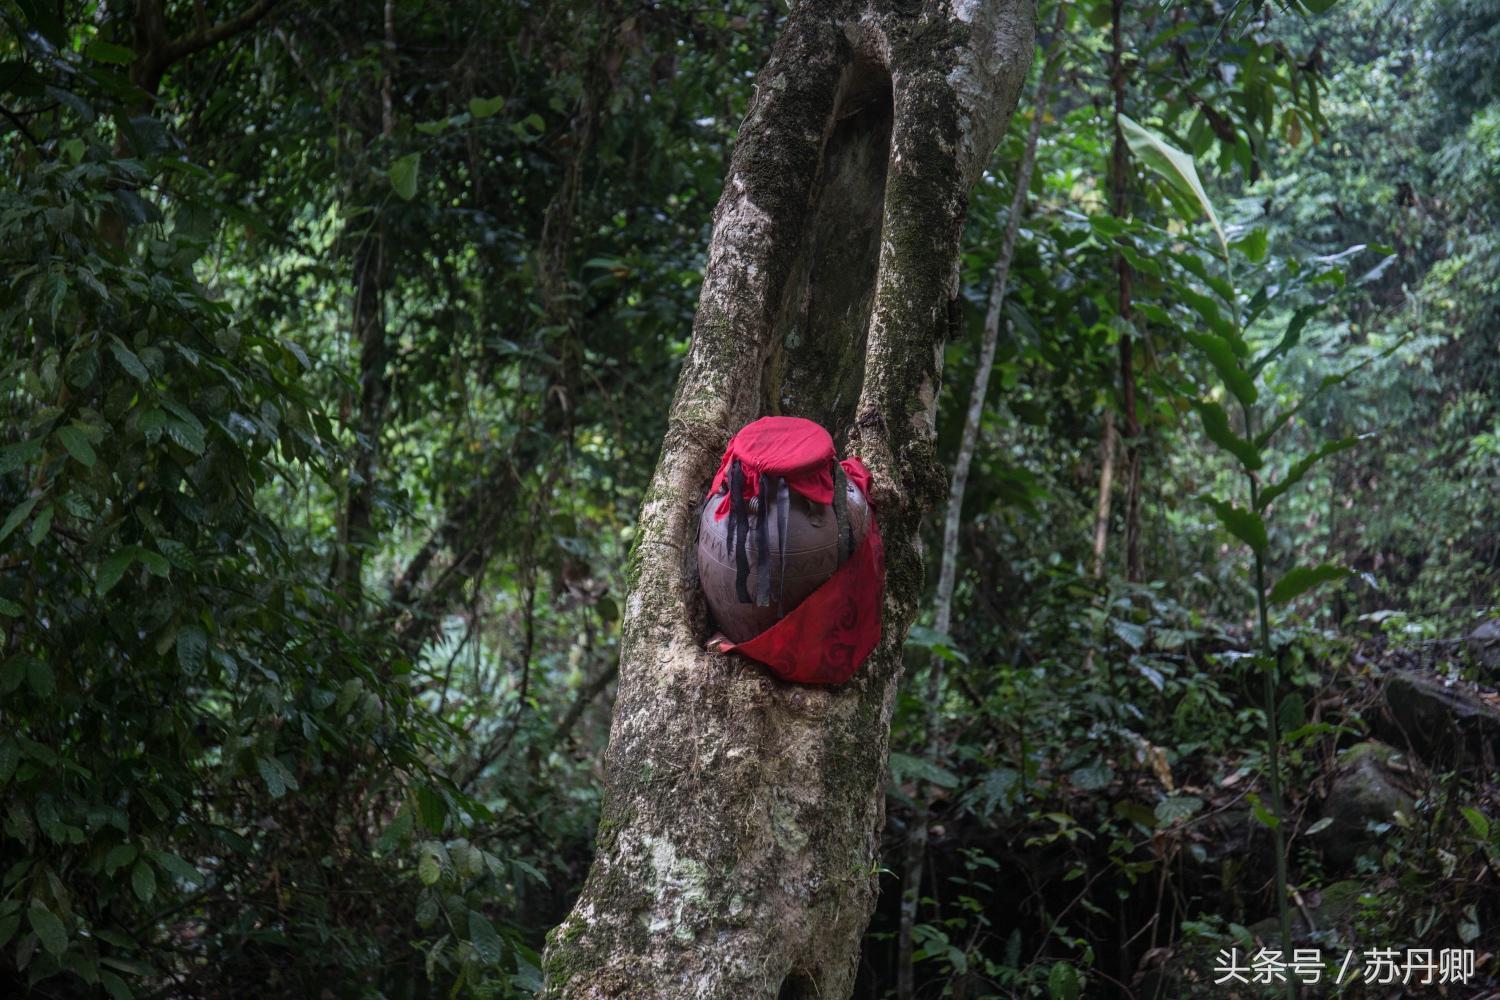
pixel 795 449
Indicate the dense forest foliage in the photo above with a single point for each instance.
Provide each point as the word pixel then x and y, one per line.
pixel 336 347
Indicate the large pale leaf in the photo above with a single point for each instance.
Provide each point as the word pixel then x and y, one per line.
pixel 1173 164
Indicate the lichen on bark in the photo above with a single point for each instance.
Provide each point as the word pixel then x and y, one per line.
pixel 738 845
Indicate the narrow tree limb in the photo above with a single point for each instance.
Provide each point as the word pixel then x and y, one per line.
pixel 581 701
pixel 1106 486
pixel 916 847
pixel 156 51
pixel 1118 181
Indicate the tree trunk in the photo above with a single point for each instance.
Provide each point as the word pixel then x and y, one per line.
pixel 942 602
pixel 738 846
pixel 1119 178
pixel 371 279
pixel 1106 487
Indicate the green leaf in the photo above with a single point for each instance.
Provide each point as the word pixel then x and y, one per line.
pixel 118 857
pixel 276 776
pixel 1301 468
pixel 1137 813
pixel 468 859
pixel 403 175
pixel 1304 578
pixel 1062 982
pixel 1478 822
pixel 1129 633
pixel 187 434
pixel 1193 264
pixel 128 360
pixel 484 107
pixel 484 939
pixel 192 645
pixel 1175 808
pixel 348 692
pixel 1326 382
pixel 1173 164
pixel 13 456
pixel 1216 426
pixel 39 676
pixel 111 569
pixel 10 756
pixel 532 872
pixel 107 52
pixel 1245 525
pixel 1208 310
pixel 1291 713
pixel 10 609
pixel 398 831
pixel 1092 777
pixel 156 563
pixel 13 673
pixel 1289 339
pixel 115 986
pixel 177 867
pixel 935 643
pixel 143 881
pixel 1253 245
pixel 152 422
pixel 427 910
pixel 1264 816
pixel 16 516
pixel 49 929
pixel 429 869
pixel 432 808
pixel 40 526
pixel 1319 826
pixel 77 445
pixel 1220 354
pixel 905 766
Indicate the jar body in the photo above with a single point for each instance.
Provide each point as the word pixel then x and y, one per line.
pixel 811 556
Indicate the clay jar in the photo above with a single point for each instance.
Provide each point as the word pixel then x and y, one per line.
pixel 811 556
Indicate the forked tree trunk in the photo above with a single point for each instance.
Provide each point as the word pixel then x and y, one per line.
pixel 738 846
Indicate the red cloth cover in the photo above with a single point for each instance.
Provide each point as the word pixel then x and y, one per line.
pixel 798 450
pixel 824 639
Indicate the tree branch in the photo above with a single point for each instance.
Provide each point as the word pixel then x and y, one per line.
pixel 203 38
pixel 158 52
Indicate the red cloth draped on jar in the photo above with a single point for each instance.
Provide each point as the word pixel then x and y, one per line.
pixel 825 638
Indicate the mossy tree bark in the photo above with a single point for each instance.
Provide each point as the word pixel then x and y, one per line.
pixel 738 846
